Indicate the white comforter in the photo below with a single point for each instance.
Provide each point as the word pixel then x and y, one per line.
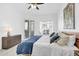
pixel 43 48
pixel 57 50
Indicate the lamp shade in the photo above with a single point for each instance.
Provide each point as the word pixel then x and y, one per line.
pixel 7 29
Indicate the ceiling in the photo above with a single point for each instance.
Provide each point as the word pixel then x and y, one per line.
pixel 44 9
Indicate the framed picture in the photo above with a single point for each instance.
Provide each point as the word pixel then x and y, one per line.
pixel 69 16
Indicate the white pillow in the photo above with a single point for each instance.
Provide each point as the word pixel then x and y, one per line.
pixel 72 39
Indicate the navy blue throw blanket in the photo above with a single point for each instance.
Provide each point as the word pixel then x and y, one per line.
pixel 26 46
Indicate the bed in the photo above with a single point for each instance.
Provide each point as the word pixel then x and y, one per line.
pixel 41 47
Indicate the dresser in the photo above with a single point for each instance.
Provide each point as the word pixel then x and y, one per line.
pixel 8 42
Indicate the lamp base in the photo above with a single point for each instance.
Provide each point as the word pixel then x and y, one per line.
pixel 8 34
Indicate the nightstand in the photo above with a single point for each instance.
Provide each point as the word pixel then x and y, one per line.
pixel 77 42
pixel 8 42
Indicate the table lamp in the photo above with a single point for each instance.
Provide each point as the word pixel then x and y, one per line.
pixel 8 29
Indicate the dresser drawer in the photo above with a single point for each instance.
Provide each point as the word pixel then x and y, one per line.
pixel 11 41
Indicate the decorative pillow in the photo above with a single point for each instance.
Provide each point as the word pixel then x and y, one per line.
pixel 54 37
pixel 63 41
pixel 52 34
pixel 72 40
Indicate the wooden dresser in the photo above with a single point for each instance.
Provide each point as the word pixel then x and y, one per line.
pixel 8 42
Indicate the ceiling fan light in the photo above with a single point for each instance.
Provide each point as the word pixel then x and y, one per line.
pixel 33 6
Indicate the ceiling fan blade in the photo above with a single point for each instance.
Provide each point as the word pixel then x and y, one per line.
pixel 37 8
pixel 29 7
pixel 39 3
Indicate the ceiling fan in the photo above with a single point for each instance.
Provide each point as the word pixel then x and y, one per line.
pixel 34 5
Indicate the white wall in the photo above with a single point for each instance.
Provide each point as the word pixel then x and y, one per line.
pixel 77 16
pixel 13 15
pixel 60 19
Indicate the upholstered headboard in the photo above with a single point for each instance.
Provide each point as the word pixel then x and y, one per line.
pixel 72 33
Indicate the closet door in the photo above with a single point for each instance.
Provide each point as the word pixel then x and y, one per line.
pixel 31 28
pixel 26 29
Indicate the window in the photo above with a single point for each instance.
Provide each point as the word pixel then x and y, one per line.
pixel 46 27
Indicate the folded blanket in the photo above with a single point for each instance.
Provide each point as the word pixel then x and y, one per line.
pixel 26 46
